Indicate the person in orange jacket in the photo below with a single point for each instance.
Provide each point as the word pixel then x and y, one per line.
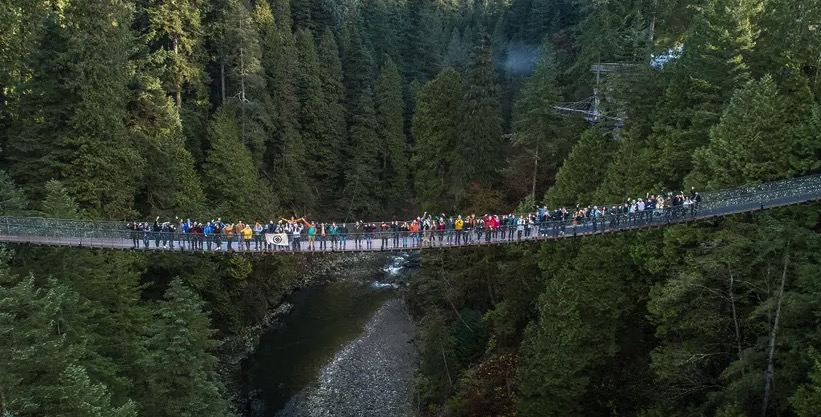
pixel 229 235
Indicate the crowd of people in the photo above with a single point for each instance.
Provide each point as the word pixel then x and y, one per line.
pixel 427 230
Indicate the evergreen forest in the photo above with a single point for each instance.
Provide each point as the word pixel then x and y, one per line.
pixel 348 109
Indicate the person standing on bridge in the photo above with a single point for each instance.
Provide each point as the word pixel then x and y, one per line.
pixel 458 226
pixel 218 232
pixel 357 234
pixel 414 232
pixel 396 233
pixel 258 229
pixel 311 232
pixel 370 229
pixel 207 235
pixel 333 232
pixel 384 229
pixel 343 236
pixel 322 236
pixel 229 236
pixel 296 231
pixel 404 230
pixel 247 234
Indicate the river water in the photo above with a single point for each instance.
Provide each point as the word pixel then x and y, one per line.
pixel 345 349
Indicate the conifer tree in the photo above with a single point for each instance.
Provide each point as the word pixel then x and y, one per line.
pixel 284 160
pixel 12 199
pixel 362 189
pixel 101 171
pixel 435 128
pixel 753 142
pixel 390 128
pixel 583 170
pixel 537 125
pixel 38 152
pixel 175 36
pixel 41 336
pixel 83 398
pixel 422 47
pixel 58 203
pixel 712 66
pixel 230 179
pixel 807 399
pixel 333 91
pixel 181 344
pixel 321 157
pixel 169 182
pixel 479 153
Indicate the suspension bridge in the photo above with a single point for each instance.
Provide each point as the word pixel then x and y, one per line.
pixel 715 204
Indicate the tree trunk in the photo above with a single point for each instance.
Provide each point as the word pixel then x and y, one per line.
pixel 177 76
pixel 242 91
pixel 535 172
pixel 735 314
pixel 222 80
pixel 445 360
pixel 770 369
pixel 652 29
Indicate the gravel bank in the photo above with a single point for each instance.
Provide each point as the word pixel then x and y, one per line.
pixel 236 348
pixel 371 376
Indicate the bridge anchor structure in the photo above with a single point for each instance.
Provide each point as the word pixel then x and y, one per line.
pixel 590 107
pixel 715 204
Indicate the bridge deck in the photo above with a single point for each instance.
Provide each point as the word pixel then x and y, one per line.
pixel 111 235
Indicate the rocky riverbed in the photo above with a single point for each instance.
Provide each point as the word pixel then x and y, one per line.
pixel 370 376
pixel 236 349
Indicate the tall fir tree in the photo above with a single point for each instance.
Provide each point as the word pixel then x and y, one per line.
pixel 175 35
pixel 435 128
pixel 284 161
pixel 101 171
pixel 583 170
pixel 754 141
pixel 479 154
pixel 390 128
pixel 39 152
pixel 42 336
pixel 537 126
pixel 58 202
pixel 321 157
pixel 182 345
pixel 333 90
pixel 12 199
pixel 363 192
pixel 169 183
pixel 712 66
pixel 231 184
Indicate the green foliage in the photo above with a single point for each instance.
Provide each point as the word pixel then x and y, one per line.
pixel 537 126
pixel 583 170
pixel 101 169
pixel 58 203
pixel 231 182
pixel 181 343
pixel 807 399
pixel 754 141
pixel 435 127
pixel 479 147
pixel 12 199
pixel 390 128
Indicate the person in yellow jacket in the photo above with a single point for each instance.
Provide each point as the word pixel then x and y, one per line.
pixel 247 234
pixel 458 225
pixel 229 235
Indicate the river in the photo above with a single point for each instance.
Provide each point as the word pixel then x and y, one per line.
pixel 345 349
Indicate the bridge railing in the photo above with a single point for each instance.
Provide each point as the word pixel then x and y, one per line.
pixel 115 234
